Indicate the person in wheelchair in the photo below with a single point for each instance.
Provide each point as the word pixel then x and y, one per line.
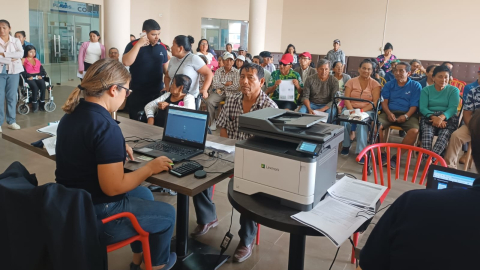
pixel 178 96
pixel 34 75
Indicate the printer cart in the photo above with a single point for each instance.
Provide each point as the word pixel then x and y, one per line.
pixel 373 125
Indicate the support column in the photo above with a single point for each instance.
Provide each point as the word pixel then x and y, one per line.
pixel 116 25
pixel 257 26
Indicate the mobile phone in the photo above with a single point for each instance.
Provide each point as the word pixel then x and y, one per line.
pixel 143 34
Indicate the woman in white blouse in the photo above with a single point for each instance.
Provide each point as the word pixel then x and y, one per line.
pixel 90 52
pixel 178 96
pixel 202 49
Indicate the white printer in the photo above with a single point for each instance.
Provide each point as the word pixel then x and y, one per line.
pixel 292 157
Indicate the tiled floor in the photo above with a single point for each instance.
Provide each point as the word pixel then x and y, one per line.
pixel 273 250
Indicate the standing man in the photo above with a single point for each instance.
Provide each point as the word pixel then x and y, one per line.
pixel 257 59
pixel 251 98
pixel 336 54
pixel 224 85
pixel 305 70
pixel 462 135
pixel 267 62
pixel 319 90
pixel 148 61
pixel 401 97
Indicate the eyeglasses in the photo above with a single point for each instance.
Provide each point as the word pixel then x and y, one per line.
pixel 128 91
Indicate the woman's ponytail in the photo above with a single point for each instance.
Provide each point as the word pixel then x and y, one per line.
pixel 72 101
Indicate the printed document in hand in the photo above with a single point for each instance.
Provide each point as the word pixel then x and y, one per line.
pixel 49 144
pixel 286 90
pixel 347 205
pixel 319 113
pixel 50 129
pixel 222 147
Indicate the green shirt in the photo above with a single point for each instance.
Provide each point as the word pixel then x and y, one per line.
pixel 446 101
pixel 276 75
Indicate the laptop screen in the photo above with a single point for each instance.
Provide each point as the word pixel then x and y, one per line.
pixel 186 126
pixel 441 179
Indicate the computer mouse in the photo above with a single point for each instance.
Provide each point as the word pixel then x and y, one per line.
pixel 200 174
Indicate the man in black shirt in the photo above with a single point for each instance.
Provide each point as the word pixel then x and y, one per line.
pixel 148 61
pixel 429 229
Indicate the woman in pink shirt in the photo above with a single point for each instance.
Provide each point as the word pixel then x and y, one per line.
pixel 33 75
pixel 90 52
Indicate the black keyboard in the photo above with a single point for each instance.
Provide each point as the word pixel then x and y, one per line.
pixel 186 168
pixel 173 149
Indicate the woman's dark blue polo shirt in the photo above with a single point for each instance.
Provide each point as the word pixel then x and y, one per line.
pixel 86 138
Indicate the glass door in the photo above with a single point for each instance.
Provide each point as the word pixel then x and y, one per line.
pixel 58 29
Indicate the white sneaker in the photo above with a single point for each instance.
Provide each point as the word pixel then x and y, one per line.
pixel 213 127
pixel 14 126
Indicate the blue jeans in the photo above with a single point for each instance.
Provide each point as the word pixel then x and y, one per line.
pixel 361 134
pixel 314 106
pixel 157 218
pixel 8 91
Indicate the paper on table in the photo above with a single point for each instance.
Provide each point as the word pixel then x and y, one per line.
pixel 357 192
pixel 335 219
pixel 49 144
pixel 222 147
pixel 319 113
pixel 286 90
pixel 80 75
pixel 50 129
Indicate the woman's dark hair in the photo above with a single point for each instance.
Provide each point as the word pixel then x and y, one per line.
pixel 228 44
pixel 288 47
pixel 388 46
pixel 474 127
pixel 335 64
pixel 204 58
pixel 5 22
pixel 95 32
pixel 133 36
pixel 442 69
pixel 447 62
pixel 27 49
pixel 185 42
pixel 183 80
pixel 198 47
pixel 249 56
pixel 430 68
pixel 21 33
pixel 150 25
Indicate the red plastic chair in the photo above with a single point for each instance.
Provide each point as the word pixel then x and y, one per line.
pixel 257 241
pixel 142 237
pixel 388 146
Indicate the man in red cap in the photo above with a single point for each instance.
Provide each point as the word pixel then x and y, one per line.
pixel 285 73
pixel 305 69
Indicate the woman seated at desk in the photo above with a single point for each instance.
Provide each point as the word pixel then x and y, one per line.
pixel 177 96
pixel 91 153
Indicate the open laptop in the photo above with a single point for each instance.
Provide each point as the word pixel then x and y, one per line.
pixel 440 178
pixel 184 135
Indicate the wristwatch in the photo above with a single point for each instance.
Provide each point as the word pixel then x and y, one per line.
pixel 406 116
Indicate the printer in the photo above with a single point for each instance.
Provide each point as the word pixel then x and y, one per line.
pixel 292 157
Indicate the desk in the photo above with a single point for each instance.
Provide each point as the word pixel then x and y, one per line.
pixel 185 187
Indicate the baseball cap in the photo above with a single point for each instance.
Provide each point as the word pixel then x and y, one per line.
pixel 228 55
pixel 337 41
pixel 305 54
pixel 265 54
pixel 241 57
pixel 287 59
pixel 241 48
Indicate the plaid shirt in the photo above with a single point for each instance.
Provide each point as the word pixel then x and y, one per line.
pixel 472 101
pixel 233 108
pixel 221 77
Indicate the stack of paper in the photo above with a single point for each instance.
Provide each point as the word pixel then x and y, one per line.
pixel 348 204
pixel 49 144
pixel 50 129
pixel 221 147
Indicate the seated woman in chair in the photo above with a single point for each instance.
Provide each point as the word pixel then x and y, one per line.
pixel 91 154
pixel 362 87
pixel 33 75
pixel 178 96
pixel 438 106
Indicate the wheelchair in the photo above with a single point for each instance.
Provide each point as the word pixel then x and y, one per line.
pixel 336 117
pixel 24 96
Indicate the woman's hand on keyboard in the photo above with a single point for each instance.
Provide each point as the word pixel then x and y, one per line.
pixel 160 164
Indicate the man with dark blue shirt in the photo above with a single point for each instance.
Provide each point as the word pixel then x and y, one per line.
pixel 429 229
pixel 401 97
pixel 148 61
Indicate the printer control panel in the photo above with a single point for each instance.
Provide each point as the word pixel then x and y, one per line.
pixel 309 148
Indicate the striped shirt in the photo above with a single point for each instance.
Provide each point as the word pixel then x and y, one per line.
pixel 221 77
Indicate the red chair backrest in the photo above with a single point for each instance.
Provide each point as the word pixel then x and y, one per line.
pixel 388 146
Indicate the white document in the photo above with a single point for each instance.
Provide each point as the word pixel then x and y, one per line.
pixel 222 147
pixel 335 219
pixel 324 114
pixel 49 144
pixel 80 75
pixel 50 129
pixel 286 90
pixel 357 192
